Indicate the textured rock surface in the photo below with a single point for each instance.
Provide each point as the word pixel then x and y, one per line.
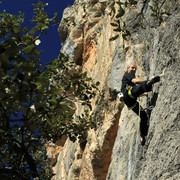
pixel 113 150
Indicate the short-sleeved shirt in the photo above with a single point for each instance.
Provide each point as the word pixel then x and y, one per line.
pixel 126 81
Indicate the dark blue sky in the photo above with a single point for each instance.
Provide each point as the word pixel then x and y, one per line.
pixel 51 42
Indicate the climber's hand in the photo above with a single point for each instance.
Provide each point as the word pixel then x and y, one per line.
pixel 144 94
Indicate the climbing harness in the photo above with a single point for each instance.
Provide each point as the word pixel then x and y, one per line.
pixel 130 95
pixel 132 107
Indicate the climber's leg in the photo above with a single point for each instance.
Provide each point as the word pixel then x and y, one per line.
pixel 140 89
pixel 143 122
pixel 153 80
pixel 146 86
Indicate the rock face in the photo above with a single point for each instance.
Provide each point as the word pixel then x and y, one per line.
pixel 113 150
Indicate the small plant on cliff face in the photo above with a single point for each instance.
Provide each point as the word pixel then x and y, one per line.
pixel 121 26
pixel 157 11
pixel 34 104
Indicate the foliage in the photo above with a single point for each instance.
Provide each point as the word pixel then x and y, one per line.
pixel 120 25
pixel 34 104
pixel 156 11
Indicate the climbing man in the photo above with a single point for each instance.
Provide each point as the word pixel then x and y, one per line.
pixel 132 88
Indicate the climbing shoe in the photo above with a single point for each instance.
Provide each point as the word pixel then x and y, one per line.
pixel 153 80
pixel 143 141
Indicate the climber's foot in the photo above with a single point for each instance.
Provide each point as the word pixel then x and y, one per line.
pixel 143 140
pixel 153 80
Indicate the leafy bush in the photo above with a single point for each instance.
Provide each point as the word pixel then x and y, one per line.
pixel 34 104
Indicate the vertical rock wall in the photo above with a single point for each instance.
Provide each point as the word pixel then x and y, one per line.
pixel 113 149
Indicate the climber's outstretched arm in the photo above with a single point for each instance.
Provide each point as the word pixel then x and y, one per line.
pixel 144 94
pixel 137 81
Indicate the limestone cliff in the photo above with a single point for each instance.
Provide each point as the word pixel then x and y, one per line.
pixel 113 150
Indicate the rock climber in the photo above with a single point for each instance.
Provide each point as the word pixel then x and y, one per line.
pixel 132 88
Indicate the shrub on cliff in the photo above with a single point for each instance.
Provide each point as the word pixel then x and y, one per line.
pixel 34 104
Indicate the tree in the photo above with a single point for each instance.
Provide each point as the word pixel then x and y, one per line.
pixel 34 104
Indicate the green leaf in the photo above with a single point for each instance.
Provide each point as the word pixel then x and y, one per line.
pixel 44 28
pixel 132 2
pixel 136 25
pixel 124 36
pixel 29 49
pixel 53 101
pixel 114 24
pixel 97 83
pixel 17 30
pixel 56 20
pixel 25 29
pixel 119 3
pixel 126 4
pixel 54 91
pixel 113 9
pixel 114 38
pixel 121 12
pixel 117 29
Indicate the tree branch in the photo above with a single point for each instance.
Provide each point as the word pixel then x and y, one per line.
pixel 10 171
